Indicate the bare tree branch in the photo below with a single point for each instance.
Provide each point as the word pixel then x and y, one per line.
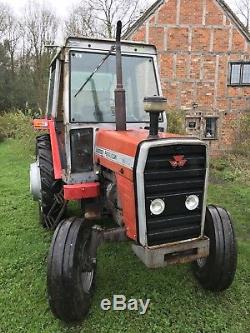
pixel 41 27
pixel 81 21
pixel 243 10
pixel 11 37
pixel 110 11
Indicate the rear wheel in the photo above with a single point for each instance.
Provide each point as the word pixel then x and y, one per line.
pixel 217 271
pixel 71 272
pixel 52 204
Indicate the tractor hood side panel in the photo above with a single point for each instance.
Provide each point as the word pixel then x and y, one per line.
pixel 116 150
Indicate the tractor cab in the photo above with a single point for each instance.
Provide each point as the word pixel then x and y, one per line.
pixel 81 96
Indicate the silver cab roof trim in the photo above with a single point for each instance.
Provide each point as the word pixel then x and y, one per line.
pixel 105 45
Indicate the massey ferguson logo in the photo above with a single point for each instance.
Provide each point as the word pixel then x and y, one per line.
pixel 178 161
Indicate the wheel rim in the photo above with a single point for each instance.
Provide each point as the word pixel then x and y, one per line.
pixel 87 272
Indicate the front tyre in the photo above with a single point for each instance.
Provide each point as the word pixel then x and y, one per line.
pixel 71 272
pixel 217 271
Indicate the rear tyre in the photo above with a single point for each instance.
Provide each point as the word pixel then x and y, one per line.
pixel 71 272
pixel 52 205
pixel 217 271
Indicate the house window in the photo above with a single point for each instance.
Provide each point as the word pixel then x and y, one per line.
pixel 246 74
pixel 239 73
pixel 210 128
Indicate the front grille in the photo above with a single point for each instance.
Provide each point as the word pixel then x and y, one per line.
pixel 173 185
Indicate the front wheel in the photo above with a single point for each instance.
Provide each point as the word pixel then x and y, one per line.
pixel 71 272
pixel 217 271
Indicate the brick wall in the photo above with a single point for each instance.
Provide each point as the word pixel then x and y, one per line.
pixel 196 40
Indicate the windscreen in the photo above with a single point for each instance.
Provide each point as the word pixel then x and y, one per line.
pixel 96 101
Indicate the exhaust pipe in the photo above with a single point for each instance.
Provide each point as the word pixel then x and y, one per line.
pixel 120 95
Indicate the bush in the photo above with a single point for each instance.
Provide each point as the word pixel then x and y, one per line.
pixel 230 168
pixel 176 122
pixel 242 136
pixel 17 125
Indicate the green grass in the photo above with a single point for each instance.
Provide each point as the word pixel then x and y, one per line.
pixel 178 304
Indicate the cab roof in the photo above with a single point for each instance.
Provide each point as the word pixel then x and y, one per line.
pixel 95 44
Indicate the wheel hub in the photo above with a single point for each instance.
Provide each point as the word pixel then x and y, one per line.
pixel 201 262
pixel 87 271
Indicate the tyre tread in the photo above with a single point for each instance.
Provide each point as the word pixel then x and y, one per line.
pixel 67 301
pixel 219 271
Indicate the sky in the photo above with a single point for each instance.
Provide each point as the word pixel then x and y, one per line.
pixel 62 6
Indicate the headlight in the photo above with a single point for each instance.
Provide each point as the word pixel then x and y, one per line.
pixel 192 202
pixel 157 206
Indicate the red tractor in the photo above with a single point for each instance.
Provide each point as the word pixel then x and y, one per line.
pixel 109 150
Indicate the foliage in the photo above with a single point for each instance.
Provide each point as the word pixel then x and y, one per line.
pixel 231 167
pixel 242 135
pixel 178 304
pixel 17 125
pixel 176 121
pixel 6 85
pixel 230 187
pixel 235 166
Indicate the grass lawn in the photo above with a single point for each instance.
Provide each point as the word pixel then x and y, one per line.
pixel 178 304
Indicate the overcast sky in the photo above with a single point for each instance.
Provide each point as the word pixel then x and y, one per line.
pixel 62 6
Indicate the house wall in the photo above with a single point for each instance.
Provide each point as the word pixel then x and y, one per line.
pixel 196 40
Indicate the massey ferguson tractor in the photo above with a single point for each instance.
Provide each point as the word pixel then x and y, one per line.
pixel 107 148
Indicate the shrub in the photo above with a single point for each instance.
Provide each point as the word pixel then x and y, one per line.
pixel 242 136
pixel 17 125
pixel 219 164
pixel 176 121
pixel 231 167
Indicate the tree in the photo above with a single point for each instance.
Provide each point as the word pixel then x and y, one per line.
pixel 11 37
pixel 97 18
pixel 3 18
pixel 5 80
pixel 40 28
pixel 243 9
pixel 108 12
pixel 81 21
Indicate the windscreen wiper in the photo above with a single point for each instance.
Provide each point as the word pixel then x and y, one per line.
pixel 95 70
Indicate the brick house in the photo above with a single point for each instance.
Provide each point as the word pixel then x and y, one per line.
pixel 204 59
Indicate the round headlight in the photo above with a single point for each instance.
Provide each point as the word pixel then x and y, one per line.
pixel 192 202
pixel 157 206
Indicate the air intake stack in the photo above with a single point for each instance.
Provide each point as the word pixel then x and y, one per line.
pixel 154 105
